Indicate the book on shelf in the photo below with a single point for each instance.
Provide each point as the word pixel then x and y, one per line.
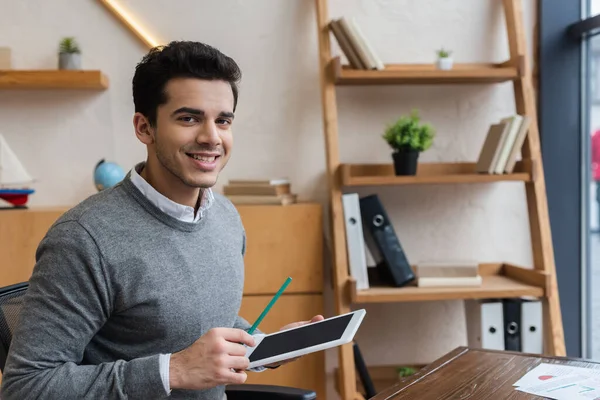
pixel 260 191
pixel 470 281
pixel 446 269
pixel 259 182
pixel 354 44
pixel 448 274
pixel 502 145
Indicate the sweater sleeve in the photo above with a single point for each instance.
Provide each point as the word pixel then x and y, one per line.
pixel 68 301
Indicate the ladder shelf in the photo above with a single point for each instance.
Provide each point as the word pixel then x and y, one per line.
pixel 500 280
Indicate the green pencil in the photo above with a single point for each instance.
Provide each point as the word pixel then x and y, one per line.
pixel 268 307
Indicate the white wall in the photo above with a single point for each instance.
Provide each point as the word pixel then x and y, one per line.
pixel 60 136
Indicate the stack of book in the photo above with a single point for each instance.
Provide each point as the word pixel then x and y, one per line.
pixel 448 274
pixel 354 45
pixel 502 145
pixel 267 191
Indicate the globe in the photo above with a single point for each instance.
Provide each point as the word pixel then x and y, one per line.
pixel 107 174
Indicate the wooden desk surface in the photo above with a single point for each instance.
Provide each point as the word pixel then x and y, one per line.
pixel 474 374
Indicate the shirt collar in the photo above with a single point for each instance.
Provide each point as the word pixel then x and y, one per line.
pixel 168 206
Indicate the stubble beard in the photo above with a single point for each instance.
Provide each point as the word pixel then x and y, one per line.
pixel 171 165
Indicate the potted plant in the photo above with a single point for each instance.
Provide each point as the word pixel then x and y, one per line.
pixel 408 137
pixel 69 55
pixel 444 60
pixel 403 372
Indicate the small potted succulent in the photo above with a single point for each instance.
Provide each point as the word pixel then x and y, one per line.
pixel 69 54
pixel 444 59
pixel 408 137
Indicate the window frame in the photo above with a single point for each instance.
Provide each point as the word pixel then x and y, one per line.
pixel 562 113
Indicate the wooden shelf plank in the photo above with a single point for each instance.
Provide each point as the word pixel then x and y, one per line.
pixel 499 281
pixel 407 74
pixel 427 173
pixel 53 79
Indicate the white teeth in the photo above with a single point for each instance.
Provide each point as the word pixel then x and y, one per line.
pixel 204 159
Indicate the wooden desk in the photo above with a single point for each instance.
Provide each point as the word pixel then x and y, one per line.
pixel 473 374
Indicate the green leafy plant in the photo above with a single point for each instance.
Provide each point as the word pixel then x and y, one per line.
pixel 69 45
pixel 442 53
pixel 408 133
pixel 405 371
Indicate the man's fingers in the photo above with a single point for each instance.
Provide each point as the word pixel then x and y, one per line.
pixel 238 336
pixel 238 363
pixel 297 324
pixel 235 349
pixel 234 377
pixel 316 318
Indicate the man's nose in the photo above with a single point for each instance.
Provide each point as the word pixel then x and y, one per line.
pixel 209 134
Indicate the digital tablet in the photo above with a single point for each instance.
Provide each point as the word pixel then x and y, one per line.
pixel 309 338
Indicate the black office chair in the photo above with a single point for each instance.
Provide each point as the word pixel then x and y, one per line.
pixel 10 307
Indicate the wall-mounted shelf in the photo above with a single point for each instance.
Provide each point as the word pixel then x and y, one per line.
pixel 499 281
pixel 53 79
pixel 427 173
pixel 407 74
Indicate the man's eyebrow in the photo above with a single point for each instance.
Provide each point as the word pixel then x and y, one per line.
pixel 195 111
pixel 188 110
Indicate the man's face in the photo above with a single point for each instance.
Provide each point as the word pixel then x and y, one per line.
pixel 192 137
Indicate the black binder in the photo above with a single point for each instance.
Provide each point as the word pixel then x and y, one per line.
pixel 512 324
pixel 381 239
pixel 363 373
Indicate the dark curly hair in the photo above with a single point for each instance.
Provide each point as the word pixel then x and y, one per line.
pixel 179 59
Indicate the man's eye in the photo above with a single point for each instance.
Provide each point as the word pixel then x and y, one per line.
pixel 187 119
pixel 223 121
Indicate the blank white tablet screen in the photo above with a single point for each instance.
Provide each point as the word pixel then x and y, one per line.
pixel 306 336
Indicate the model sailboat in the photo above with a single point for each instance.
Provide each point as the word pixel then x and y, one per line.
pixel 14 179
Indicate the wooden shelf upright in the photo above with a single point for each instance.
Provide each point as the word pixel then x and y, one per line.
pixel 500 280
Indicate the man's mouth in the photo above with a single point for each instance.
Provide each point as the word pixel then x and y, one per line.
pixel 202 158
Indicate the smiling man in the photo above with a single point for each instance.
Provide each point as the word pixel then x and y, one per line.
pixel 136 291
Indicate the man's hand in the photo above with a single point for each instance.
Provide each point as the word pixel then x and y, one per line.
pixel 316 318
pixel 216 358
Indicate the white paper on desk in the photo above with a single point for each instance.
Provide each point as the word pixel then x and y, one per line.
pixel 553 385
pixel 546 372
pixel 567 387
pixel 588 389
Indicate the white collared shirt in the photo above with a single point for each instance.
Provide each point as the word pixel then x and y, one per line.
pixel 168 206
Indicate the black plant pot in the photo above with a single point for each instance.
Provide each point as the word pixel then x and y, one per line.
pixel 405 162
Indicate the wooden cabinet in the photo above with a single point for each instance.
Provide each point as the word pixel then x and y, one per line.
pixel 281 241
pixel 285 241
pixel 20 233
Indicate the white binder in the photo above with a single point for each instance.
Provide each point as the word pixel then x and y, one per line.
pixel 357 259
pixel 485 324
pixel 532 338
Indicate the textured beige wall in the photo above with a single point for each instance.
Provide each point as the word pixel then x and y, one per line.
pixel 59 136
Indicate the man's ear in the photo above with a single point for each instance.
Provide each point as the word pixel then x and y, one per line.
pixel 143 129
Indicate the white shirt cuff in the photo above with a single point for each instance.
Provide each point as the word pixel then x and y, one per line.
pixel 164 361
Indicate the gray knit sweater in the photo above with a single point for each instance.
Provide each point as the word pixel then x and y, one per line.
pixel 116 283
